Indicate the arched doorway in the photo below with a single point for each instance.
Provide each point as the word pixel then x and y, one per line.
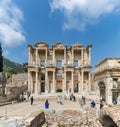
pixel 107 121
pixel 102 89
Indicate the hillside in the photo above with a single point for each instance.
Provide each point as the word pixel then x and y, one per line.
pixel 9 65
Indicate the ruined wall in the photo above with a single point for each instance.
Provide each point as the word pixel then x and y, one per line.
pixel 19 79
pixel 17 86
pixel 2 83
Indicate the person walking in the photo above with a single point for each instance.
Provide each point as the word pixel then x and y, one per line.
pixel 101 105
pixel 60 100
pixel 46 104
pixel 93 104
pixel 31 100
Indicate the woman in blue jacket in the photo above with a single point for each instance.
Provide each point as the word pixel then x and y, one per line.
pixel 46 104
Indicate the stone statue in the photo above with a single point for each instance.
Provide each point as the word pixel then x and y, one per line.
pixel 118 99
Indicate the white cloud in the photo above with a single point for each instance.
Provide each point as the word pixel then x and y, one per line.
pixel 11 32
pixel 79 13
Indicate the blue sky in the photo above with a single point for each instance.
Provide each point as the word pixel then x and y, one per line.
pixel 24 22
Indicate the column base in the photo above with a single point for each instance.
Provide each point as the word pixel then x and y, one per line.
pixel 64 91
pixel 53 91
pixel 109 99
pixel 46 91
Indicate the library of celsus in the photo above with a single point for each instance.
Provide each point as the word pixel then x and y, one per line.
pixel 59 68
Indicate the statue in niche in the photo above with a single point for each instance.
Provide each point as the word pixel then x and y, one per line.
pixel 118 99
pixel 114 84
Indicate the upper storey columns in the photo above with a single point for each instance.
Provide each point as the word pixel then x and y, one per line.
pixel 65 56
pixel 54 56
pixel 72 55
pixel 29 54
pixel 89 53
pixel 89 56
pixel 37 62
pixel 46 53
pixel 82 59
pixel 81 55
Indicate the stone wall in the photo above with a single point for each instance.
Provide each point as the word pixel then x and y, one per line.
pixel 17 86
pixel 19 79
pixel 2 83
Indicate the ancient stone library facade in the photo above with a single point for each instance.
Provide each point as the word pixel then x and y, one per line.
pixel 59 68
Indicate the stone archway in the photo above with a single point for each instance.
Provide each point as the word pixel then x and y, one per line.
pixel 107 121
pixel 102 89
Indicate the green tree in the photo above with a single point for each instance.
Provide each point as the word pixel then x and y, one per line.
pixel 11 72
pixel 25 66
pixel 1 59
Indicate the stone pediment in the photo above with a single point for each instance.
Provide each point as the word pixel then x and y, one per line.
pixel 58 45
pixel 77 45
pixel 41 44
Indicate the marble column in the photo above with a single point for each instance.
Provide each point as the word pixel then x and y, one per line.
pixel 89 81
pixel 46 82
pixel 54 62
pixel 82 78
pixel 54 83
pixel 39 83
pixel 46 53
pixel 64 84
pixel 36 84
pixel 79 87
pixel 29 56
pixel 82 57
pixel 72 80
pixel 108 91
pixel 29 81
pixel 89 56
pixel 64 56
pixel 37 57
pixel 72 56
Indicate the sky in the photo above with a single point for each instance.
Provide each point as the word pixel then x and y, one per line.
pixel 25 22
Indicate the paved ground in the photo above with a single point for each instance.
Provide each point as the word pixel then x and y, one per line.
pixel 24 108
